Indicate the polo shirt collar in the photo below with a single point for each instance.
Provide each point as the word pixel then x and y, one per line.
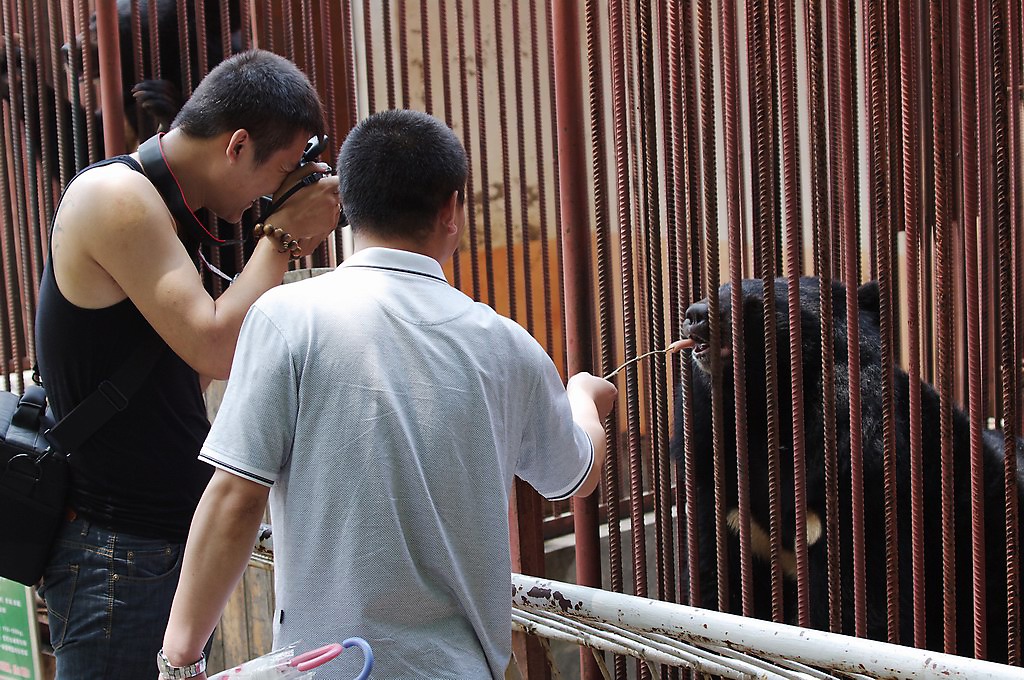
pixel 391 259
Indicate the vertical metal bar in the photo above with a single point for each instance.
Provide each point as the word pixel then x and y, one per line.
pixel 403 52
pixel 763 197
pixel 834 140
pixel 202 40
pixel 542 185
pixel 225 27
pixel 709 152
pixel 73 65
pixel 309 53
pixel 605 274
pixel 909 73
pixel 186 49
pixel 485 186
pixel 44 113
pixel 506 167
pixel 349 66
pixel 154 39
pixel 288 26
pixel 694 285
pixel 823 250
pixel 8 333
pixel 794 245
pixel 673 128
pixel 389 56
pixel 942 229
pixel 847 174
pixel 16 255
pixel 428 104
pixel 30 229
pixel 138 59
pixel 676 210
pixel 556 180
pixel 328 35
pixel 524 216
pixel 88 93
pixel 343 118
pixel 467 133
pixel 1002 65
pixel 575 220
pixel 59 74
pixel 369 54
pixel 268 24
pixel 875 64
pixel 988 255
pixel 447 95
pixel 627 211
pixel 734 207
pixel 969 126
pixel 655 307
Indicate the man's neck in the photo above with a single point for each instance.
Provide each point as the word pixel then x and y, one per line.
pixel 188 162
pixel 429 246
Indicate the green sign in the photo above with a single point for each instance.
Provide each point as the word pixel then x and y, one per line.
pixel 19 644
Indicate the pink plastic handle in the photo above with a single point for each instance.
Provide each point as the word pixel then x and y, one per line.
pixel 316 657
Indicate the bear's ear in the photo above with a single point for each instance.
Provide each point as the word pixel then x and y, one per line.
pixel 868 299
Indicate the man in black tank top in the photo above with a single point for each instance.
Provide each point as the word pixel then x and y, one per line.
pixel 121 269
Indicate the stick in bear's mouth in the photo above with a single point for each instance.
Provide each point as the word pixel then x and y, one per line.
pixel 677 346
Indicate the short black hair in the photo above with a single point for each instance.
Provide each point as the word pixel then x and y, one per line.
pixel 258 91
pixel 396 169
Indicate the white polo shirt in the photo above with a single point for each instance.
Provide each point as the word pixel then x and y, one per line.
pixel 389 413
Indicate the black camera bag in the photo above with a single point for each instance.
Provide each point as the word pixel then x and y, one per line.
pixel 34 472
pixel 33 485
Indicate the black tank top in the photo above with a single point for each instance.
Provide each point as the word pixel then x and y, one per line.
pixel 139 473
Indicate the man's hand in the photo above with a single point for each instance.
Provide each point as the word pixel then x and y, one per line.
pixel 598 390
pixel 311 213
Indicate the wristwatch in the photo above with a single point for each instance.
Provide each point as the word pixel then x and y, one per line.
pixel 169 672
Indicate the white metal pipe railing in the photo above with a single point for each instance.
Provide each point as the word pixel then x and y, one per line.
pixel 712 630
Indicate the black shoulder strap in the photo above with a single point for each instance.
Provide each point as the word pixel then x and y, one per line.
pixel 154 165
pixel 110 397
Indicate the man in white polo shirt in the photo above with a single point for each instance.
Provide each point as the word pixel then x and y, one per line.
pixel 385 414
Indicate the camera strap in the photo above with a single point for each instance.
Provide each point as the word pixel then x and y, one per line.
pixel 154 164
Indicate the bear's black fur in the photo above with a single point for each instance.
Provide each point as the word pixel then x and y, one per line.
pixel 873 464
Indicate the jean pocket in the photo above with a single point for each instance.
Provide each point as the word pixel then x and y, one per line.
pixel 58 591
pixel 151 564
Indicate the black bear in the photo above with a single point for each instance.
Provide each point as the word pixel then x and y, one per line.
pixel 696 328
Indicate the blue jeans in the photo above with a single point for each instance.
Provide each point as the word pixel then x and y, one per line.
pixel 109 596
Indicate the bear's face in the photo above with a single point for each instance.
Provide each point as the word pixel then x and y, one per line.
pixel 698 325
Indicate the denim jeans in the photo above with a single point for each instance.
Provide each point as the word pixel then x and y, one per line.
pixel 109 596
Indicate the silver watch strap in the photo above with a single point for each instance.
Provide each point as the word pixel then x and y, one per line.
pixel 171 672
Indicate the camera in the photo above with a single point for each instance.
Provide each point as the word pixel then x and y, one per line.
pixel 316 145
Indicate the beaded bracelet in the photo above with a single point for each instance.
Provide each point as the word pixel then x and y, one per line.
pixel 288 244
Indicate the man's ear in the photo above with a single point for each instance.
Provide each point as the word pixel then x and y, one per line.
pixel 236 145
pixel 448 212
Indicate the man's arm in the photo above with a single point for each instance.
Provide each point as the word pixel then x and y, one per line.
pixel 591 400
pixel 220 541
pixel 114 237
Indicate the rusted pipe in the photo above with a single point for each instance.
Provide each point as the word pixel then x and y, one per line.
pixel 111 100
pixel 576 258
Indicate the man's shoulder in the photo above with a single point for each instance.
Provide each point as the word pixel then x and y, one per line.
pixel 109 196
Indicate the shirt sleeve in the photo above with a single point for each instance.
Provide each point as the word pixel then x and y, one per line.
pixel 253 430
pixel 556 455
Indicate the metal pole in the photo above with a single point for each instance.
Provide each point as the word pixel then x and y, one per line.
pixel 576 262
pixel 111 101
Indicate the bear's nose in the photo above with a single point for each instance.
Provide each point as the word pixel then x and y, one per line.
pixel 696 326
